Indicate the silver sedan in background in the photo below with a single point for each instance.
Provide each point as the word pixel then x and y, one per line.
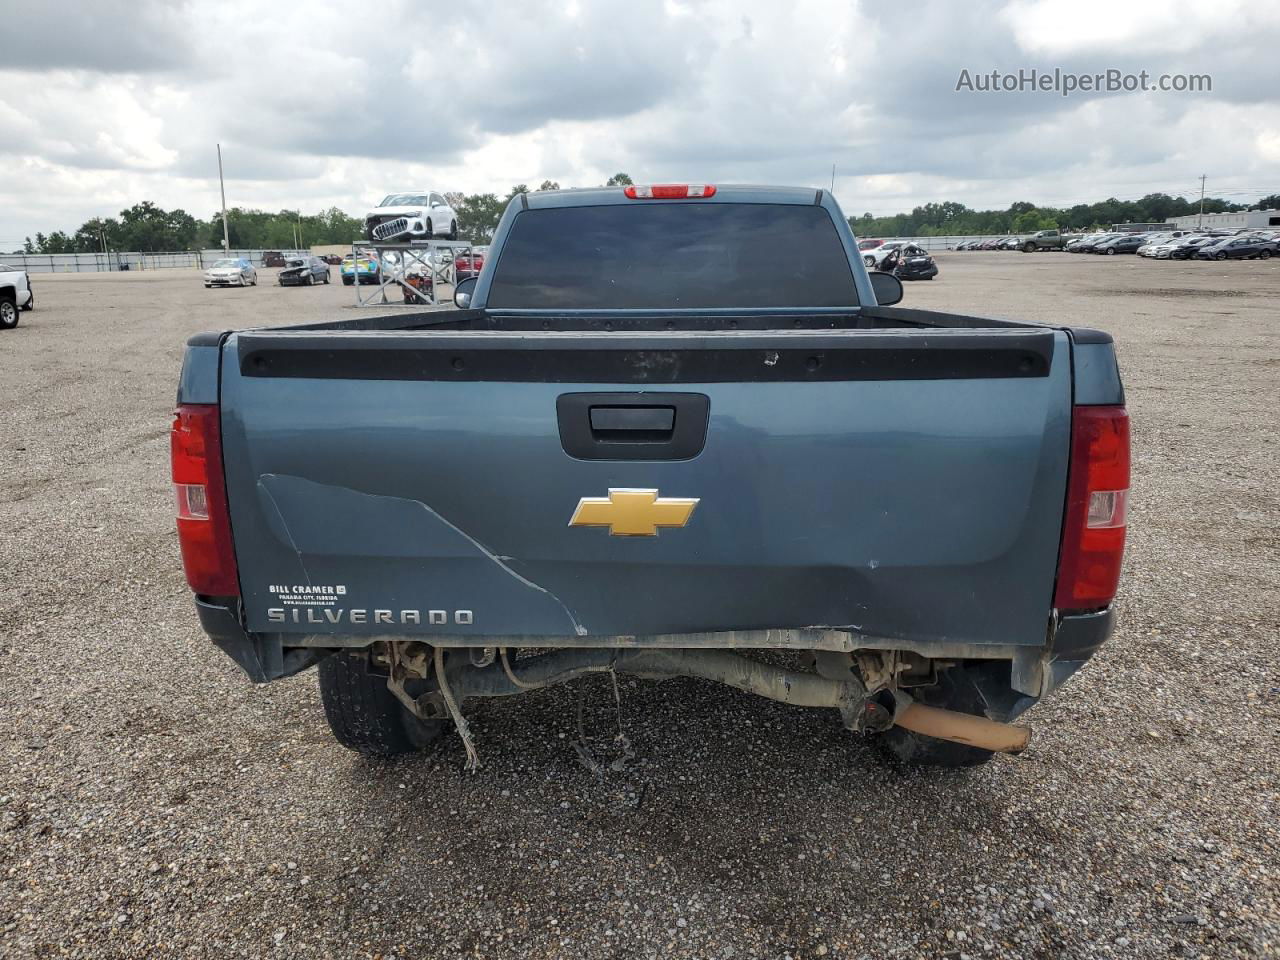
pixel 231 272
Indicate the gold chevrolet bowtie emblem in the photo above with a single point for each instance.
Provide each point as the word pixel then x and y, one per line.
pixel 629 512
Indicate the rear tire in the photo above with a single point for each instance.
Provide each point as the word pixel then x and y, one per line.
pixel 363 714
pixel 8 314
pixel 1264 255
pixel 453 230
pixel 955 690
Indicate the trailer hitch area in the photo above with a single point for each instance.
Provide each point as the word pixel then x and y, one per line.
pixel 448 677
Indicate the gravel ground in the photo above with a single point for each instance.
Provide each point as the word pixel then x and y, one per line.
pixel 154 803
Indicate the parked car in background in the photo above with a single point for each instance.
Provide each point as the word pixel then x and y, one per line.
pixel 470 264
pixel 1125 243
pixel 911 262
pixel 1161 249
pixel 873 258
pixel 362 269
pixel 332 259
pixel 15 295
pixel 272 258
pixel 1091 243
pixel 231 272
pixel 1238 248
pixel 303 271
pixel 1044 240
pixel 420 215
pixel 1185 248
pixel 870 244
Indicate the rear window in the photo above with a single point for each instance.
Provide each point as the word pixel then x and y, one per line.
pixel 673 256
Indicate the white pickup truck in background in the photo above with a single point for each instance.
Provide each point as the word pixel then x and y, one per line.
pixel 15 294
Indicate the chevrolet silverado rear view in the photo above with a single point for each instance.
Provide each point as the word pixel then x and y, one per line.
pixel 674 427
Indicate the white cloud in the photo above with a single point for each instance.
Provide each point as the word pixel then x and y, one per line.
pixel 1059 27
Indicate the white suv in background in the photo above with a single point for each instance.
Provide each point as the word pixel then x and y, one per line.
pixel 15 294
pixel 420 215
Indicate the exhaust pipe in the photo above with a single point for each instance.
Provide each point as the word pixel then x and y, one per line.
pixel 963 728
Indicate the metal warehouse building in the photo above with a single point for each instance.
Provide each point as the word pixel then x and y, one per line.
pixel 1251 219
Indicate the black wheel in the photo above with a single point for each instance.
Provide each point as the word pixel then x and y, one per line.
pixel 31 301
pixel 1262 255
pixel 311 279
pixel 430 233
pixel 1029 248
pixel 347 281
pixel 326 276
pixel 363 714
pixel 869 261
pixel 8 314
pixel 1111 251
pixel 453 229
pixel 1220 255
pixel 955 690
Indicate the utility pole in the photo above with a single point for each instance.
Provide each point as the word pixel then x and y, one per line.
pixel 226 240
pixel 1200 222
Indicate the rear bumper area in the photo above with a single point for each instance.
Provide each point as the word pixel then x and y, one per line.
pixel 263 657
pixel 271 656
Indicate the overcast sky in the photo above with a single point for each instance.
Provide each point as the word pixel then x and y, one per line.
pixel 319 104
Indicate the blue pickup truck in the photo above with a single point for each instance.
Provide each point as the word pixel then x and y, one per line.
pixel 665 429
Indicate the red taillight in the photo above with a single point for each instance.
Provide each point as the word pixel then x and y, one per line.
pixel 1097 497
pixel 670 191
pixel 204 524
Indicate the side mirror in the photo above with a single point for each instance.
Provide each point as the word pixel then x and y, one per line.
pixel 463 293
pixel 887 288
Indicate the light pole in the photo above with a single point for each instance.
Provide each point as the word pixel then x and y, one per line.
pixel 226 240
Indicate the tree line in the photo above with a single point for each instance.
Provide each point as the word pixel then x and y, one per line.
pixel 955 219
pixel 147 227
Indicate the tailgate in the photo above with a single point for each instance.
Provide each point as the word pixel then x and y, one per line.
pixel 905 484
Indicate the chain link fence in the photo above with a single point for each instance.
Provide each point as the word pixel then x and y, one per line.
pixel 122 260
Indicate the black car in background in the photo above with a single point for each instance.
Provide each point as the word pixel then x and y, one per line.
pixel 303 271
pixel 1238 248
pixel 1190 246
pixel 910 262
pixel 1126 243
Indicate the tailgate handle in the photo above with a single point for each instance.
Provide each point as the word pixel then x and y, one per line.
pixel 648 425
pixel 633 424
